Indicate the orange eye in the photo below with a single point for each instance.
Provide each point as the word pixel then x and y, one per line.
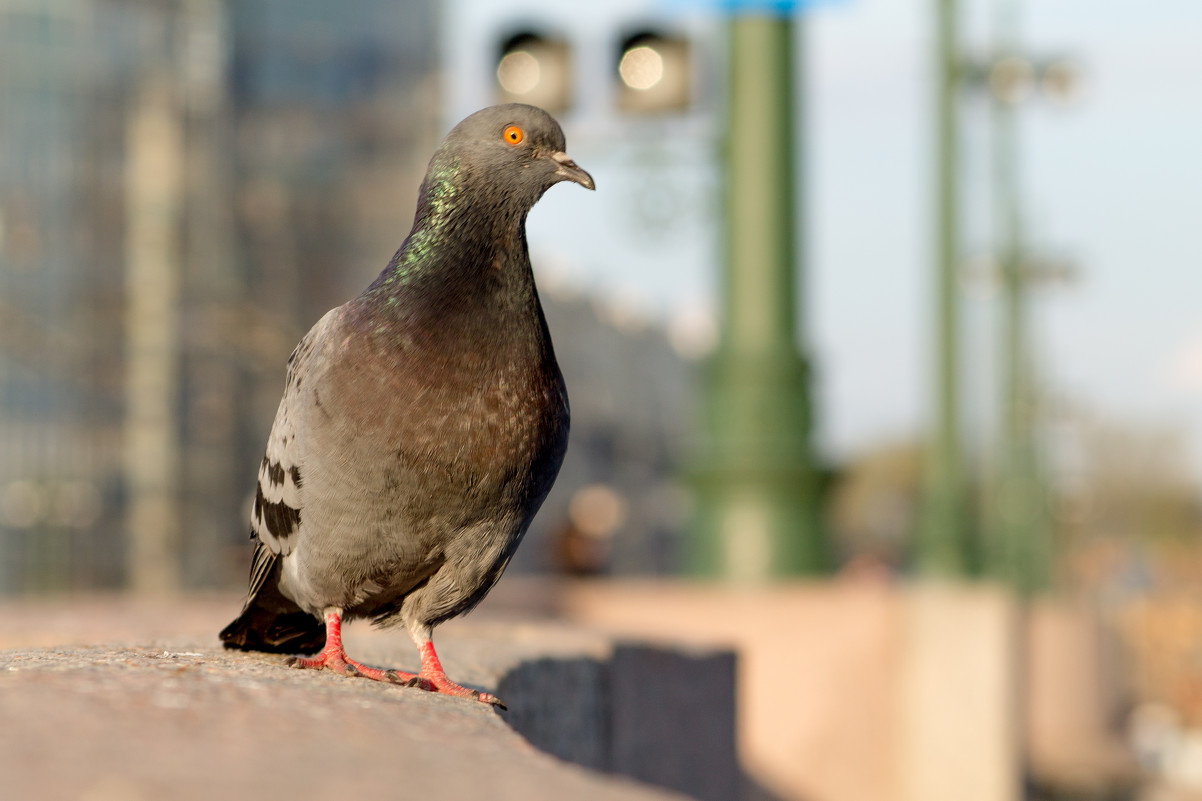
pixel 513 135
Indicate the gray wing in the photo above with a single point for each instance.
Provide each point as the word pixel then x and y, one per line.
pixel 280 499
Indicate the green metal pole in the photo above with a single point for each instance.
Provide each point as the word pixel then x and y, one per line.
pixel 758 511
pixel 1018 543
pixel 943 546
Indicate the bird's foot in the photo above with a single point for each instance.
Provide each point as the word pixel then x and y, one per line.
pixel 341 664
pixel 434 679
pixel 434 682
pixel 334 658
pixel 443 686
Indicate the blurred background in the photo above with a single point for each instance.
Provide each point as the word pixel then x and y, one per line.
pixel 955 338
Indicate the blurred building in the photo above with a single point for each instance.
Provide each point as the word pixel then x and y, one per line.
pixel 65 73
pixel 300 124
pixel 618 506
pixel 185 187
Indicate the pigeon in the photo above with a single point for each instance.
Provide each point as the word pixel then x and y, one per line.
pixel 422 423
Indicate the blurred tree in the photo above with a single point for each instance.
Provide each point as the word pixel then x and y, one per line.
pixel 1127 509
pixel 1137 484
pixel 1131 522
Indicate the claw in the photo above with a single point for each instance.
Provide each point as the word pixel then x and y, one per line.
pixel 421 683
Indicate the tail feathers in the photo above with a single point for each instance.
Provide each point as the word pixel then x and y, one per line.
pixel 272 623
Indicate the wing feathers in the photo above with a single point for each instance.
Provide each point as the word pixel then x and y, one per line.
pixel 276 514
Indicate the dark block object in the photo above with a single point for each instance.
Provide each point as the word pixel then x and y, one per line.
pixel 673 719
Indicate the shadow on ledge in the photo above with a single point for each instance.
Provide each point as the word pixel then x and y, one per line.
pixel 661 716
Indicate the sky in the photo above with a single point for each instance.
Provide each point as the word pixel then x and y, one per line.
pixel 1112 182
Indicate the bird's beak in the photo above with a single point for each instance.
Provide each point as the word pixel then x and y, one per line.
pixel 568 170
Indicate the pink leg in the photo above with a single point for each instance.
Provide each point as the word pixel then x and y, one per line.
pixel 334 658
pixel 433 673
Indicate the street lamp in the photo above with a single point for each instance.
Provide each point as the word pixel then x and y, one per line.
pixel 654 73
pixel 1060 80
pixel 536 69
pixel 1018 546
pixel 758 504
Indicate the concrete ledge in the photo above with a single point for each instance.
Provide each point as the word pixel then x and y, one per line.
pixel 187 720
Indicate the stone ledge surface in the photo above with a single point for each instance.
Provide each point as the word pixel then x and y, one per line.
pixel 179 719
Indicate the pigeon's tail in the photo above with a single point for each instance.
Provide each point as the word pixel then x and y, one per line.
pixel 269 621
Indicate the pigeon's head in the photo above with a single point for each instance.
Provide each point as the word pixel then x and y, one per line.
pixel 514 149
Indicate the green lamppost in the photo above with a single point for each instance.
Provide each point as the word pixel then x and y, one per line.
pixel 944 539
pixel 1019 549
pixel 758 514
pixel 1013 524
